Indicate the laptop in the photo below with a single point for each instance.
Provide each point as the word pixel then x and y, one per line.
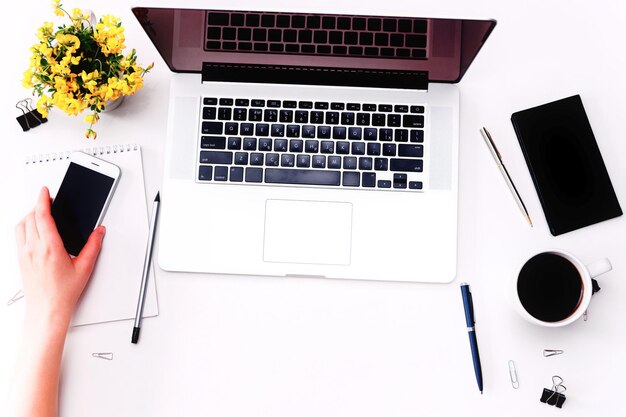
pixel 308 144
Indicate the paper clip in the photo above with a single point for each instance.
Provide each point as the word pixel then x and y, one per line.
pixel 585 315
pixel 30 117
pixel 552 352
pixel 103 355
pixel 18 295
pixel 513 374
pixel 555 395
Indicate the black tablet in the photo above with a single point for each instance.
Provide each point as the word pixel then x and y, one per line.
pixel 566 165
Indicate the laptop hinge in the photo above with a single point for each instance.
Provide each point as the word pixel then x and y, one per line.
pixel 308 75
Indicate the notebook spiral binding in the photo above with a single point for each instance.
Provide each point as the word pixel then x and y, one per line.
pixel 95 151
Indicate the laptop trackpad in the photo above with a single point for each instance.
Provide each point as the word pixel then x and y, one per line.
pixel 310 232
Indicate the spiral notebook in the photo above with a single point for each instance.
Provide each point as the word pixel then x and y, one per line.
pixel 112 292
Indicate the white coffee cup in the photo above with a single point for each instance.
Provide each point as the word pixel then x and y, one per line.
pixel 586 272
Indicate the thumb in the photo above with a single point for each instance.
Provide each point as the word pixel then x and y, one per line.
pixel 86 259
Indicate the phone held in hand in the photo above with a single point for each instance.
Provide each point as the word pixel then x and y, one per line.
pixel 83 198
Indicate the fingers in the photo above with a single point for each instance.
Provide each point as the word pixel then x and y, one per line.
pixel 20 233
pixel 43 217
pixel 86 259
pixel 31 227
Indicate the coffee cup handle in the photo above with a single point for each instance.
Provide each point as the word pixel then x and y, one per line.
pixel 599 267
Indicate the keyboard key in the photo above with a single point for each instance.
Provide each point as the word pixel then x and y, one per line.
pixel 369 51
pixel 354 133
pixel 415 41
pixel 323 132
pixel 221 174
pixel 317 117
pixel 236 174
pixel 417 109
pixel 287 160
pixel 255 115
pixel 256 158
pixel 205 173
pixel 328 22
pixel 386 51
pixel 358 23
pixel 370 133
pixel 319 161
pixel 350 38
pixel 399 180
pixel 303 161
pixel 265 144
pixel 305 36
pixel 390 25
pixel 273 103
pixel 254 174
pixel 393 120
pixel 271 159
pixel 415 185
pixel 280 145
pixel 275 35
pixel 368 179
pixel 209 113
pixel 262 129
pixel 405 25
pixel 389 149
pixel 258 103
pixel 259 35
pixel 296 145
pixel 249 144
pixel 213 142
pixel 332 117
pixel 241 158
pixel 401 135
pixel 349 162
pixel 321 105
pixel 385 108
pixel 215 157
pixel 210 101
pixel 373 149
pixel 283 21
pixel 366 38
pixel 237 19
pixel 334 162
pixel 386 135
pixel 226 102
pixel 305 104
pixel 365 163
pixel 267 20
pixel 293 131
pixel 327 146
pixel 337 106
pixel 240 114
pixel 353 106
pixel 298 21
pixel 302 176
pixel 224 113
pixel 369 107
pixel 343 23
pixel 278 130
pixel 416 151
pixel 374 24
pixel 212 128
pixel 381 164
pixel 271 115
pixel 246 129
pixel 378 119
pixel 302 116
pixel 311 146
pixel 234 143
pixel 410 120
pixel 339 132
pixel 231 129
pixel 384 184
pixel 335 37
pixel 288 104
pixel 355 50
pixel 308 131
pixel 229 34
pixel 417 136
pixel 218 19
pixel 343 147
pixel 351 179
pixel 406 165
pixel 347 118
pixel 363 119
pixel 401 108
pixel 358 148
pixel 286 116
pixel 253 20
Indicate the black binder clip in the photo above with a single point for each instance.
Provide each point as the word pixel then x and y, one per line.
pixel 555 395
pixel 30 117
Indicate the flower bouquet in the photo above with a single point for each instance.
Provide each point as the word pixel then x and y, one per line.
pixel 80 66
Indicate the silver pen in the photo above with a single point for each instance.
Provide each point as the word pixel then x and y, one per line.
pixel 505 174
pixel 146 270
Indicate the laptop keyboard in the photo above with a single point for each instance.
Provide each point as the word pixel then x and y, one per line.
pixel 316 34
pixel 306 143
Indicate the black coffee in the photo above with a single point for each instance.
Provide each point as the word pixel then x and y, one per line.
pixel 549 287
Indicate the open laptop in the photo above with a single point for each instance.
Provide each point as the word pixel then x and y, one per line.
pixel 302 144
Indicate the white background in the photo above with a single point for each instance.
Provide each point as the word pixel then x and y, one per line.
pixel 250 346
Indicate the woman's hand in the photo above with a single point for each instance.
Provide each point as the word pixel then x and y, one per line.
pixel 52 280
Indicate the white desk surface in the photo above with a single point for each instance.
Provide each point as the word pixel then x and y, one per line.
pixel 251 346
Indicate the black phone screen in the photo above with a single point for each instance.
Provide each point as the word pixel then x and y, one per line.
pixel 78 205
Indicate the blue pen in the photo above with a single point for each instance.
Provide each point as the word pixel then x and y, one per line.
pixel 468 305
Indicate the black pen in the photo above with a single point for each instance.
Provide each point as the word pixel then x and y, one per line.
pixel 146 270
pixel 471 331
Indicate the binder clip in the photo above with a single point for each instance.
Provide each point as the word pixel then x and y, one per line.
pixel 30 117
pixel 555 395
pixel 18 295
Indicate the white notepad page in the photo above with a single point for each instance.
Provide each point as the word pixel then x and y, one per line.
pixel 112 291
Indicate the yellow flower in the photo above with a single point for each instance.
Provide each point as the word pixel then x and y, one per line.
pixel 27 81
pixel 56 5
pixel 92 118
pixel 45 31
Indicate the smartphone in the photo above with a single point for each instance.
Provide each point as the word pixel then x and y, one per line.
pixel 83 198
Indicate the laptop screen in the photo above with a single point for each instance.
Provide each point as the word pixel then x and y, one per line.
pixel 186 38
